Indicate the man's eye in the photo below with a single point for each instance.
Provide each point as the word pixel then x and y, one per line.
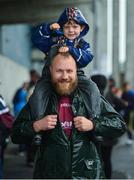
pixel 69 71
pixel 59 71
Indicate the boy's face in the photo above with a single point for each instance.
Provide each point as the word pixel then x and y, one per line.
pixel 72 30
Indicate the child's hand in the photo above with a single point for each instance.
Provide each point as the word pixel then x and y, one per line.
pixel 63 49
pixel 54 26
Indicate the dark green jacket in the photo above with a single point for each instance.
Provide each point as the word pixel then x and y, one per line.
pixel 77 158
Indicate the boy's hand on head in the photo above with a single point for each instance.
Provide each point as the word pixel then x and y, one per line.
pixel 63 49
pixel 54 26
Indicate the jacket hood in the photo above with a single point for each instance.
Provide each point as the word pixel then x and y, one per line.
pixel 75 14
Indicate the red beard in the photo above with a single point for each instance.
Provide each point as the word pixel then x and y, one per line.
pixel 65 87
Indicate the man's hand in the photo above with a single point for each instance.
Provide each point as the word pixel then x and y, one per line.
pixel 54 26
pixel 83 124
pixel 63 49
pixel 46 123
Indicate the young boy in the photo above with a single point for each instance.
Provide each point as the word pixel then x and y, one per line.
pixel 67 33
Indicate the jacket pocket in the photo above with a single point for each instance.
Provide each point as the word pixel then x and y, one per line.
pixel 92 170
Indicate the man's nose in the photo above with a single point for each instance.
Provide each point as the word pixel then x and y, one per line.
pixel 65 75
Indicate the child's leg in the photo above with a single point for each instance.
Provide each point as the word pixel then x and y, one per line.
pixel 39 99
pixel 90 88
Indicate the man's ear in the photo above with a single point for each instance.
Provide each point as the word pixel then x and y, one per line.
pixel 82 27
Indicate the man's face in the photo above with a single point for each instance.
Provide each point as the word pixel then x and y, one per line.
pixel 72 30
pixel 64 74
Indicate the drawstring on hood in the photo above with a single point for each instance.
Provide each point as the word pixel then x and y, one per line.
pixel 74 14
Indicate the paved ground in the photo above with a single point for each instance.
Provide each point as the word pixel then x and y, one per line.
pixel 15 165
pixel 122 161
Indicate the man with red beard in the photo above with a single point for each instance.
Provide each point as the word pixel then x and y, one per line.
pixel 67 149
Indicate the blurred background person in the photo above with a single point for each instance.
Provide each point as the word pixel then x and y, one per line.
pixel 109 94
pixel 128 96
pixel 107 144
pixel 114 97
pixel 118 103
pixel 34 77
pixel 19 100
pixel 101 82
pixel 6 122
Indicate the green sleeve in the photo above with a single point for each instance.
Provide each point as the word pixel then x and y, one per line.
pixel 23 131
pixel 109 124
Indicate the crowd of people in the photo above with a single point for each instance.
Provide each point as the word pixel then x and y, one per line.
pixel 122 99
